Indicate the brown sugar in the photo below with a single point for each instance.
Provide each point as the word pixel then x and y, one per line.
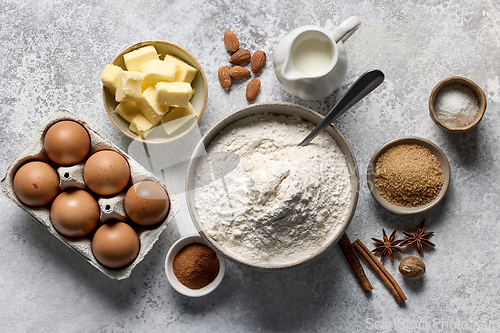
pixel 196 265
pixel 408 175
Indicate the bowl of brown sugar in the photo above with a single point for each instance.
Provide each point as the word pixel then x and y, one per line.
pixel 408 175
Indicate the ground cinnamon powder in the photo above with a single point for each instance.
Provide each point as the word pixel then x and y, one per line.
pixel 196 265
pixel 408 175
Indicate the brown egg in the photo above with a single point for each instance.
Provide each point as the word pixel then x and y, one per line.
pixel 146 203
pixel 115 244
pixel 74 213
pixel 66 142
pixel 106 172
pixel 36 183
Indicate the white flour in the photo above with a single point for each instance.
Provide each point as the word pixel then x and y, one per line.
pixel 281 202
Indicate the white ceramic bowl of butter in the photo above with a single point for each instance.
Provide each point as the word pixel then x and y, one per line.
pixel 275 108
pixel 198 100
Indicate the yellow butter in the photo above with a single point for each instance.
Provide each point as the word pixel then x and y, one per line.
pixel 127 110
pixel 135 59
pixel 129 86
pixel 155 71
pixel 146 85
pixel 109 77
pixel 150 107
pixel 140 125
pixel 177 117
pixel 185 72
pixel 174 93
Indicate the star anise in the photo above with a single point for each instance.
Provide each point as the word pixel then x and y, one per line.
pixel 387 246
pixel 419 238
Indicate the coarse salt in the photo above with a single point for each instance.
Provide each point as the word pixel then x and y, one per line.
pixel 456 105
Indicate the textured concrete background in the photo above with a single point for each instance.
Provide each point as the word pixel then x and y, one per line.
pixel 52 56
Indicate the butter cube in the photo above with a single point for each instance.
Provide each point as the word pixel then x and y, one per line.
pixel 129 86
pixel 109 77
pixel 149 106
pixel 185 72
pixel 177 117
pixel 127 110
pixel 155 71
pixel 135 59
pixel 146 85
pixel 174 93
pixel 140 125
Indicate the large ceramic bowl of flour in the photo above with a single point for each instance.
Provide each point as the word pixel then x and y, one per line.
pixel 261 200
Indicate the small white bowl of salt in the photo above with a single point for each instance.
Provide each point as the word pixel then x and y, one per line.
pixel 457 104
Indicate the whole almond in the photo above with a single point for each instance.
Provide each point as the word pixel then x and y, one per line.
pixel 258 61
pixel 239 72
pixel 224 77
pixel 253 89
pixel 240 57
pixel 231 41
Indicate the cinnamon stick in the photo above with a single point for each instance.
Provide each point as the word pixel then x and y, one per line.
pixel 380 270
pixel 353 260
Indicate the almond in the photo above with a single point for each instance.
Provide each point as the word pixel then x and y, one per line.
pixel 253 89
pixel 239 72
pixel 258 61
pixel 231 41
pixel 240 57
pixel 224 77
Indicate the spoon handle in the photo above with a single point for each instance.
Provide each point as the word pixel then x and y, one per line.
pixel 362 87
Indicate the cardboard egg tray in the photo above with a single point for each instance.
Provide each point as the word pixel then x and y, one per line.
pixel 111 208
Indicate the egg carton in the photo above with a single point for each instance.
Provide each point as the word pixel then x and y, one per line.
pixel 111 208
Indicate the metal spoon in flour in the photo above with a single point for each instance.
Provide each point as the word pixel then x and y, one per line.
pixel 362 87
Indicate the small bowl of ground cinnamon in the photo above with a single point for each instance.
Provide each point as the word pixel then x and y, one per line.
pixel 193 268
pixel 457 104
pixel 408 175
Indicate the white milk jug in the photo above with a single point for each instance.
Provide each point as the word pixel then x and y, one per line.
pixel 311 62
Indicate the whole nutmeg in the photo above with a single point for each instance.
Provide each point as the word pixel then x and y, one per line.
pixel 411 267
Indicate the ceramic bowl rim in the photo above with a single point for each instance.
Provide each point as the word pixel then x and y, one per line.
pixel 172 279
pixel 276 108
pixel 200 71
pixel 401 210
pixel 469 83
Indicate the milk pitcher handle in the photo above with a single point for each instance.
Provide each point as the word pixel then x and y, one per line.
pixel 346 29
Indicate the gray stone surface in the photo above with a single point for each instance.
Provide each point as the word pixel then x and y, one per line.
pixel 51 58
